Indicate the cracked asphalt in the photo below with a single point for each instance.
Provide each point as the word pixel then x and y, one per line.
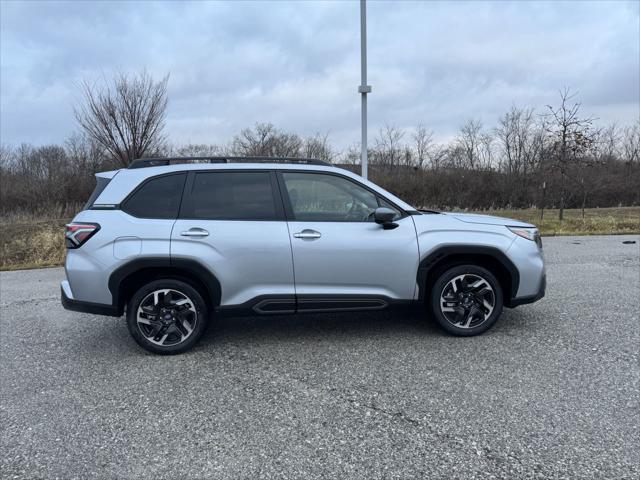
pixel 552 391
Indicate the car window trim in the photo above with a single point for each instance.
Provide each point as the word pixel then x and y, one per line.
pixel 288 208
pixel 187 198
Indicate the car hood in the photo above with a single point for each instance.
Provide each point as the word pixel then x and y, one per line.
pixel 488 220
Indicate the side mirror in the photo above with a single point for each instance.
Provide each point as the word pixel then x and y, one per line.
pixel 384 216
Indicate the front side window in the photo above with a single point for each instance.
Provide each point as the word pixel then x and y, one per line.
pixel 157 198
pixel 231 196
pixel 328 198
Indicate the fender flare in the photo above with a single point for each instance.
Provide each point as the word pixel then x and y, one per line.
pixel 441 253
pixel 191 267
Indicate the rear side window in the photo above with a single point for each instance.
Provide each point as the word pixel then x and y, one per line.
pixel 231 196
pixel 157 198
pixel 101 184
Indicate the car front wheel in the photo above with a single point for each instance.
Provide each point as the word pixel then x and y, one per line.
pixel 167 316
pixel 466 300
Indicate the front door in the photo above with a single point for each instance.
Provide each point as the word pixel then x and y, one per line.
pixel 340 255
pixel 233 223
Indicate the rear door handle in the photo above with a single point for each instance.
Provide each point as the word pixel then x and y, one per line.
pixel 307 233
pixel 195 232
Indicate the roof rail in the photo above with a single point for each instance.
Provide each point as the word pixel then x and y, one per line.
pixel 155 162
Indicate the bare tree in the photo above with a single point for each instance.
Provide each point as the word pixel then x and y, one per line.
pixel 197 150
pixel 486 152
pixel 469 142
pixel 631 144
pixel 454 156
pixel 85 154
pixel 423 144
pixel 351 156
pixel 388 150
pixel 125 116
pixel 6 155
pixel 520 142
pixel 570 139
pixel 606 142
pixel 266 140
pixel 318 147
pixel 437 156
pixel 630 153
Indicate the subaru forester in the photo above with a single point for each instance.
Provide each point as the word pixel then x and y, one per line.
pixel 173 242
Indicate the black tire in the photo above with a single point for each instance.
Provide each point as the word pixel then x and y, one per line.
pixel 185 305
pixel 468 301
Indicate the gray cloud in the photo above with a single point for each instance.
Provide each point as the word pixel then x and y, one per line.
pixel 296 64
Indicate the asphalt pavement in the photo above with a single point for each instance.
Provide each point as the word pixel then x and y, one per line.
pixel 552 391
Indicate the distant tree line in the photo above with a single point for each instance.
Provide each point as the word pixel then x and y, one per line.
pixel 550 158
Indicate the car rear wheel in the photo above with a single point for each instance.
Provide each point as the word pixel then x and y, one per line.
pixel 167 316
pixel 466 300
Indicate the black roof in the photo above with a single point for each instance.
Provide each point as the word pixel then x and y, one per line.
pixel 155 162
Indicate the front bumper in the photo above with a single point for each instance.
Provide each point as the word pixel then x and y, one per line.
pixel 514 302
pixel 69 303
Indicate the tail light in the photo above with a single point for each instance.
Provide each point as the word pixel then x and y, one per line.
pixel 76 234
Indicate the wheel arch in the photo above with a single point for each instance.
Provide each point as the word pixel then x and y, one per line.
pixel 128 278
pixel 449 256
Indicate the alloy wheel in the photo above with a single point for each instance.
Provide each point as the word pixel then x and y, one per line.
pixel 166 317
pixel 467 301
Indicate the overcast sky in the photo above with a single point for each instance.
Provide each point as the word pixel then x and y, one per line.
pixel 297 64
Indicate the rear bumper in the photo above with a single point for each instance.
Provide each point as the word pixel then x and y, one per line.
pixel 69 303
pixel 514 302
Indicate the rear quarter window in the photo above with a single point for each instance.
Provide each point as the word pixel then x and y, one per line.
pixel 157 197
pixel 101 184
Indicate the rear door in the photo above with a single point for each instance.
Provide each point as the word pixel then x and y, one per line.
pixel 341 256
pixel 232 221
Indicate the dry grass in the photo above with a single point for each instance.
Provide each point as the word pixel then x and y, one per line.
pixel 33 244
pixel 39 243
pixel 597 221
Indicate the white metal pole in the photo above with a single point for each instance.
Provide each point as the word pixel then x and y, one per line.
pixel 363 88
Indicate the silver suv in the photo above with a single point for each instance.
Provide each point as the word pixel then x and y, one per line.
pixel 173 242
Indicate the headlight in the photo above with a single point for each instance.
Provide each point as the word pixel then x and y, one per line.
pixel 529 233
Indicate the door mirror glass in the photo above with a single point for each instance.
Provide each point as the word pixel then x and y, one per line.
pixel 385 216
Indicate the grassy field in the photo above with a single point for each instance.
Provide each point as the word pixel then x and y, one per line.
pixel 597 221
pixel 40 243
pixel 32 244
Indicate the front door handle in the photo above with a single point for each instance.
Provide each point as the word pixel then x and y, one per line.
pixel 307 233
pixel 195 232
